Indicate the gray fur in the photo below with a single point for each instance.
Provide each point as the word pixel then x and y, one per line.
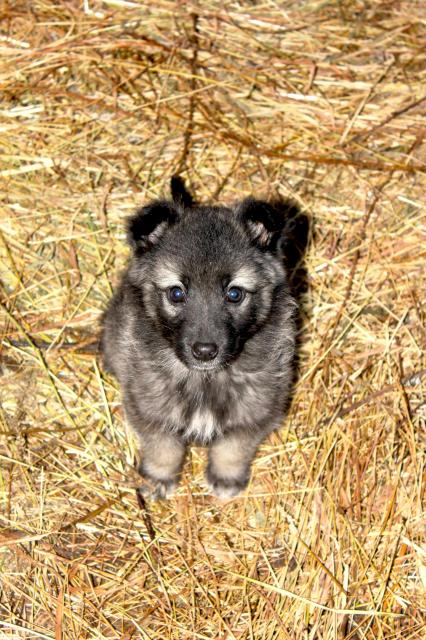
pixel 229 403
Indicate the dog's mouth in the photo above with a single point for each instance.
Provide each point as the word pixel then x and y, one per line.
pixel 206 367
pixel 214 366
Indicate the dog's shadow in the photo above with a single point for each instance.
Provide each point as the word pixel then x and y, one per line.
pixel 294 245
pixel 295 240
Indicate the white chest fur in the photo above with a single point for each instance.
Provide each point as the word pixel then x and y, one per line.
pixel 202 425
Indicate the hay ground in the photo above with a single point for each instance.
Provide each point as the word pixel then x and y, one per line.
pixel 320 101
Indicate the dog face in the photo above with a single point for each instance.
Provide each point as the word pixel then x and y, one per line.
pixel 209 276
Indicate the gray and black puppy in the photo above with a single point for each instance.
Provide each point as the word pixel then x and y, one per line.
pixel 201 335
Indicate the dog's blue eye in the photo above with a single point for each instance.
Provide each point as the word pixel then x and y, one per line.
pixel 176 294
pixel 234 294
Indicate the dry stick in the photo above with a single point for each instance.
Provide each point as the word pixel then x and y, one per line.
pixel 392 116
pixel 146 516
pixel 369 165
pixel 189 129
pixel 90 348
pixel 407 381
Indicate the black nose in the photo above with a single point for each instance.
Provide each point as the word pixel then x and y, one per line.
pixel 204 350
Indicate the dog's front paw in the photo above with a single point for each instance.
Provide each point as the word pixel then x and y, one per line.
pixel 157 489
pixel 225 488
pixel 154 486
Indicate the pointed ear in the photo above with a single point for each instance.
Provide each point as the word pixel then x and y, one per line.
pixel 263 221
pixel 146 227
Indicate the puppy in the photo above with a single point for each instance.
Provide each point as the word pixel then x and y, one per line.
pixel 201 335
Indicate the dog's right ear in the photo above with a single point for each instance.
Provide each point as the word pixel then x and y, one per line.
pixel 146 227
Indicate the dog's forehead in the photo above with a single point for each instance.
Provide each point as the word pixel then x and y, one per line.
pixel 206 246
pixel 170 273
pixel 210 228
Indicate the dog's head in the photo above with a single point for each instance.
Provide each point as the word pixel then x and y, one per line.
pixel 211 277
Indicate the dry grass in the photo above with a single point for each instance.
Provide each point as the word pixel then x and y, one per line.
pixel 321 101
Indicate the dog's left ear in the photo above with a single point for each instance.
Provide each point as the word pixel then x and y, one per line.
pixel 263 221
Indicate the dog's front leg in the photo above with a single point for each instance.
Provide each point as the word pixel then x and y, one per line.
pixel 162 457
pixel 161 453
pixel 230 457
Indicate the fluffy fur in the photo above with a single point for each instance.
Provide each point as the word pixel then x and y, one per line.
pixel 204 368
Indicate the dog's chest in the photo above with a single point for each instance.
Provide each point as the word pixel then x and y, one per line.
pixel 214 405
pixel 201 408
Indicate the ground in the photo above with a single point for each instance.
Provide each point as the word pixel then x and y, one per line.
pixel 321 102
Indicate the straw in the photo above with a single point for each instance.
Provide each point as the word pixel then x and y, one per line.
pixel 102 102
